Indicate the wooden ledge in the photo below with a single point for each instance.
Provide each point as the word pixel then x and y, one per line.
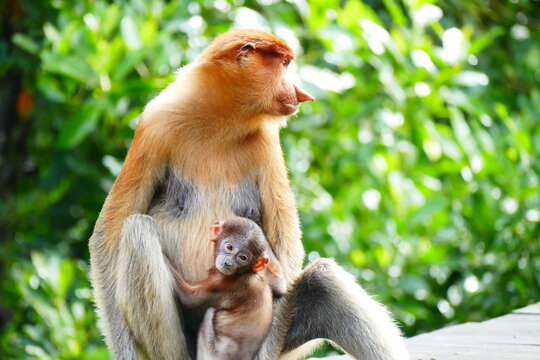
pixel 515 336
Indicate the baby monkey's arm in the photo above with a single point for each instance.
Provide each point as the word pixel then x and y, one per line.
pixel 196 293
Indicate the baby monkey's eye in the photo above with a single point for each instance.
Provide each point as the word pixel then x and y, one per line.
pixel 243 257
pixel 286 62
pixel 229 247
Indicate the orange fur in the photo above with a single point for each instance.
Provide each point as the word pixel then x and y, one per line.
pixel 217 127
pixel 212 126
pixel 226 45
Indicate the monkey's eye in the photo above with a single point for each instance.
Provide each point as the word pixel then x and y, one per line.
pixel 286 62
pixel 229 247
pixel 243 257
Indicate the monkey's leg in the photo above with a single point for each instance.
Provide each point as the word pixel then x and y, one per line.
pixel 205 345
pixel 326 302
pixel 211 347
pixel 119 341
pixel 145 291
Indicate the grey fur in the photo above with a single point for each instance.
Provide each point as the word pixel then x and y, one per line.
pixel 331 305
pixel 211 347
pixel 175 195
pixel 246 202
pixel 326 302
pixel 142 270
pixel 178 197
pixel 117 336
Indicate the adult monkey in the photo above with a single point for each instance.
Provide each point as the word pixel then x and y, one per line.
pixel 207 148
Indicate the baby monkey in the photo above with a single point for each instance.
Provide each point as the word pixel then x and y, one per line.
pixel 237 291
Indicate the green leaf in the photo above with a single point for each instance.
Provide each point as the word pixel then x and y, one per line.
pixel 80 125
pixel 65 277
pixel 128 63
pixel 433 204
pixel 396 12
pixel 71 66
pixel 25 43
pixel 412 283
pixel 100 353
pixel 130 33
pixel 110 19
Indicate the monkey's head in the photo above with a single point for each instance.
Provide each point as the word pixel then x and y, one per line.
pixel 240 246
pixel 251 68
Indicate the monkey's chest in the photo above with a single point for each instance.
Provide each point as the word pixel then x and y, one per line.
pixel 185 210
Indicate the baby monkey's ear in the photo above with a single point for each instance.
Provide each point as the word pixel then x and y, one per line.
pixel 260 265
pixel 217 227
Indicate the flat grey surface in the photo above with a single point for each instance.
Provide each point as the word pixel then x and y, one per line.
pixel 533 309
pixel 515 336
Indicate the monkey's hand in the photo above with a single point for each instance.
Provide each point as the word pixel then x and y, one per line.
pixel 199 292
pixel 191 295
pixel 275 279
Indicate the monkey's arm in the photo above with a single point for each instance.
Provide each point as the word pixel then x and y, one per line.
pixel 132 190
pixel 131 194
pixel 280 216
pixel 196 293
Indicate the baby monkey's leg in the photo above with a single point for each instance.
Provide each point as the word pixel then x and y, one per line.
pixel 213 347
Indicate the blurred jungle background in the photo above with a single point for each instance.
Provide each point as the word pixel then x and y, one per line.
pixel 417 168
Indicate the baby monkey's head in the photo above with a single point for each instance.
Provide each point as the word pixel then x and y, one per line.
pixel 240 246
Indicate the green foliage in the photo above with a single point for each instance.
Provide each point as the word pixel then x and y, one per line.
pixel 417 168
pixel 59 320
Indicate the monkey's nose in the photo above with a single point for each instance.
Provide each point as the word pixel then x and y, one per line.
pixel 227 265
pixel 302 95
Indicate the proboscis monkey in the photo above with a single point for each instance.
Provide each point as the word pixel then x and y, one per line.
pixel 238 291
pixel 207 148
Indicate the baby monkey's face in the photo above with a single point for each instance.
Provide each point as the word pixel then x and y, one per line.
pixel 240 246
pixel 232 257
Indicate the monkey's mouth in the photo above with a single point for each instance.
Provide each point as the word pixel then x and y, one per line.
pixel 225 270
pixel 288 108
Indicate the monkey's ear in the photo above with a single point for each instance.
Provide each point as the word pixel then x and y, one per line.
pixel 250 46
pixel 260 265
pixel 217 227
pixel 245 50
